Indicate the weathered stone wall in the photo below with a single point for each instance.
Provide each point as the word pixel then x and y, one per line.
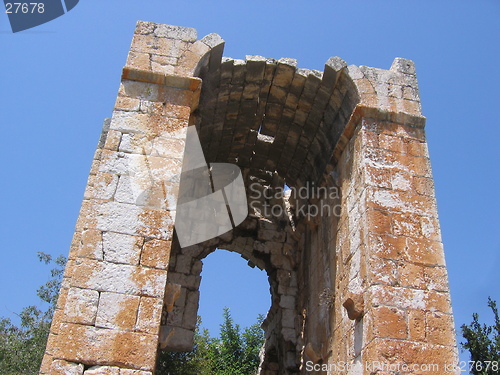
pixel 355 265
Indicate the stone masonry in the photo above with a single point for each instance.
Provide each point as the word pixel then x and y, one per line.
pixel 342 215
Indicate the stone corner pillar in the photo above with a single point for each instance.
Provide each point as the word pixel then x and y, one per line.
pixel 393 295
pixel 110 304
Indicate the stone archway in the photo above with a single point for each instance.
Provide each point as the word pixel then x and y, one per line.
pixel 354 255
pixel 263 110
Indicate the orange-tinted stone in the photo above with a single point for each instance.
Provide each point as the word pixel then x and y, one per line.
pixel 87 344
pixel 389 322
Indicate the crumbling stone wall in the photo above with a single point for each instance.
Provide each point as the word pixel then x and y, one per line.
pixel 341 214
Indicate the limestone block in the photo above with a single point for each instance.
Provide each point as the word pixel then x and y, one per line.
pixel 87 344
pixel 61 367
pixel 91 244
pixel 164 60
pixel 406 225
pixel 122 248
pixel 183 263
pixel 287 302
pixel 216 44
pixel 402 352
pixel 423 251
pixel 149 192
pixel 46 364
pixel 141 91
pixel 128 219
pixel 135 143
pixel 189 281
pixel 176 339
pixel 281 261
pixel 407 202
pixel 333 67
pixel 102 370
pixel 391 143
pixel 411 93
pixel 139 60
pixel 118 217
pixel 405 298
pixel 401 181
pixel 149 315
pixel 354 72
pixel 311 353
pixel 143 27
pixel 412 275
pixel 117 311
pixel 181 300
pixel 162 68
pixel 403 66
pixel 158 46
pixel 440 328
pixel 379 177
pixel 156 254
pixel 81 306
pixel 125 190
pixel 156 224
pixel 436 278
pixel 191 310
pixel 174 317
pixel 95 165
pixel 197 267
pixel 289 334
pixel 179 109
pixel 172 293
pixel 384 271
pixel 379 222
pixel 101 186
pixel 194 59
pixel 63 294
pixel 113 162
pixel 164 64
pixel 113 138
pixel 255 67
pixel 416 325
pixel 118 278
pixel 430 228
pixel 151 107
pixel 288 318
pixel 389 322
pixel 187 34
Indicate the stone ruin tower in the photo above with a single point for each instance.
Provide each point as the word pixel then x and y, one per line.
pixel 356 270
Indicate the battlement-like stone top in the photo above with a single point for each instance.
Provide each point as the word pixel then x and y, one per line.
pixel 175 50
pixel 270 104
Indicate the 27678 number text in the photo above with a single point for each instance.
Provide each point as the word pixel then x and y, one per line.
pixel 479 365
pixel 24 7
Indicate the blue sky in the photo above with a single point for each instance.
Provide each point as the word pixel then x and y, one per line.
pixel 59 81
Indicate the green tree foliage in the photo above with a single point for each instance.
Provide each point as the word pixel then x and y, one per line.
pixel 483 343
pixel 233 353
pixel 22 348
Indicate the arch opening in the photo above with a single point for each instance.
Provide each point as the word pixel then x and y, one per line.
pixel 279 125
pixel 230 281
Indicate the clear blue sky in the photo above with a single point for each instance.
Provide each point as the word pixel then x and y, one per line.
pixel 59 81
